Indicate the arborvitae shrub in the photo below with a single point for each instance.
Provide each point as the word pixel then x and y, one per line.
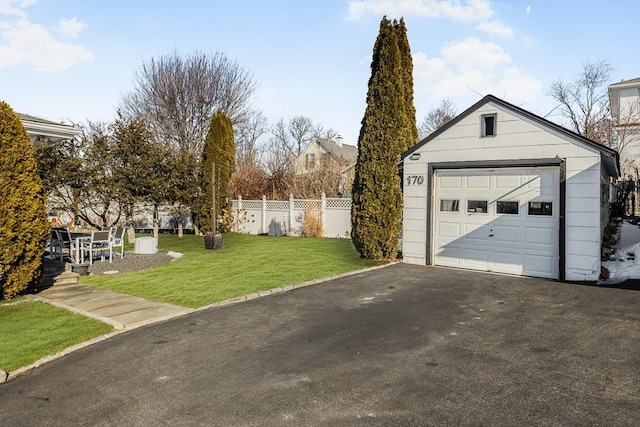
pixel 24 227
pixel 219 147
pixel 387 131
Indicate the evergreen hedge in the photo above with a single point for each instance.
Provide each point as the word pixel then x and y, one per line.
pixel 24 227
pixel 219 147
pixel 388 129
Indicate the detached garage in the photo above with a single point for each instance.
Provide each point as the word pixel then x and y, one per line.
pixel 500 189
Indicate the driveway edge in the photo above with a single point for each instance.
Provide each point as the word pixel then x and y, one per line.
pixel 120 328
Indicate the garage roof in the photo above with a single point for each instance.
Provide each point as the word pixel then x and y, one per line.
pixel 610 158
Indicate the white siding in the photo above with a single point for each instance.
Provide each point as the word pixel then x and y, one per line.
pixel 517 138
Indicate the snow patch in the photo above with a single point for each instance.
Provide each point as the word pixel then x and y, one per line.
pixel 624 263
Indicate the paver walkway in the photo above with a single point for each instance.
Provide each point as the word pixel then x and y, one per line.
pixel 120 310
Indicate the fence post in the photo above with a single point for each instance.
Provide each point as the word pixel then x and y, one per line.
pixel 323 207
pixel 264 214
pixel 238 213
pixel 291 219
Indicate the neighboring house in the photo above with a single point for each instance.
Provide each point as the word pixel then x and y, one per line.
pixel 501 189
pixel 45 132
pixel 624 99
pixel 323 150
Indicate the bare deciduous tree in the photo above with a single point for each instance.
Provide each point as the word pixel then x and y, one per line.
pixel 247 134
pixel 288 140
pixel 438 117
pixel 326 177
pixel 178 94
pixel 583 102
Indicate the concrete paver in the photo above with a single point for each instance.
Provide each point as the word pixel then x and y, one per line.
pixel 121 310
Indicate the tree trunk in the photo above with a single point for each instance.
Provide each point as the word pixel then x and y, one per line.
pixel 155 221
pixel 180 231
pixel 131 234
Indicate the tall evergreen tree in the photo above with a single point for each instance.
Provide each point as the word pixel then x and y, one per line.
pixel 406 65
pixel 219 148
pixel 388 129
pixel 24 226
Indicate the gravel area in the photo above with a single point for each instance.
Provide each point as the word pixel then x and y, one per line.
pixel 130 262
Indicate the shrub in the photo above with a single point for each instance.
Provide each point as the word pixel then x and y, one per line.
pixel 312 224
pixel 23 216
pixel 219 149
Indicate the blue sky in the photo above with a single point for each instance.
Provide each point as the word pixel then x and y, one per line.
pixel 72 60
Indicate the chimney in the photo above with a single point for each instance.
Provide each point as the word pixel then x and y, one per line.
pixel 339 140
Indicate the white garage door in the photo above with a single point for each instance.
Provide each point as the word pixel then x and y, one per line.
pixel 501 220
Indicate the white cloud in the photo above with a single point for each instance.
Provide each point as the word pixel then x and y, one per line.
pixel 495 28
pixel 14 7
pixel 25 42
pixel 469 68
pixel 71 27
pixel 470 12
pixel 474 53
pixel 528 10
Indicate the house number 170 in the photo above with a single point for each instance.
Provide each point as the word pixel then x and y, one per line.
pixel 415 180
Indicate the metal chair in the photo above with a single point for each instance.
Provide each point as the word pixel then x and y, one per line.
pixel 117 240
pixel 99 243
pixel 62 243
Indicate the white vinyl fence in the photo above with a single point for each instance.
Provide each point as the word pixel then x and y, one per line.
pixel 286 217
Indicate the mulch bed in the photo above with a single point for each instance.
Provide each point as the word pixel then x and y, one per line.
pixel 130 262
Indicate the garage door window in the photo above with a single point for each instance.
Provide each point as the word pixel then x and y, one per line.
pixel 508 208
pixel 449 205
pixel 477 206
pixel 541 208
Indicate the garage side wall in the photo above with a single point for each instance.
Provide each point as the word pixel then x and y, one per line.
pixel 414 213
pixel 583 236
pixel 517 138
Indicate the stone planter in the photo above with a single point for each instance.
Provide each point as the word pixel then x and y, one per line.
pixel 81 269
pixel 145 245
pixel 213 242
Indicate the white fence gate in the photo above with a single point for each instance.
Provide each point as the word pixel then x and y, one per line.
pixel 286 217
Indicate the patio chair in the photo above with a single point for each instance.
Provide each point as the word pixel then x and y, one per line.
pixel 62 243
pixel 117 241
pixel 99 243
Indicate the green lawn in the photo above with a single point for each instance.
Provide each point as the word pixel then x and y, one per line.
pixel 245 264
pixel 32 330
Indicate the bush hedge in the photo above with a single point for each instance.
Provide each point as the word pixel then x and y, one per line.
pixel 24 227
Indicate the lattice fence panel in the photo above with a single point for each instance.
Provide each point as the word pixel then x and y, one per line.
pixel 277 205
pixel 312 205
pixel 338 203
pixel 252 204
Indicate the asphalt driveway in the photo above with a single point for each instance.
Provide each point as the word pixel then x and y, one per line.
pixel 403 345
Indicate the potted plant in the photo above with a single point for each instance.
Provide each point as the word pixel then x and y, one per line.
pixel 212 240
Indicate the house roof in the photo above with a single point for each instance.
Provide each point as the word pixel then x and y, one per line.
pixel 609 156
pixel 349 153
pixel 624 83
pixel 42 131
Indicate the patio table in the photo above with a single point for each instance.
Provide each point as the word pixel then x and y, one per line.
pixel 79 238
